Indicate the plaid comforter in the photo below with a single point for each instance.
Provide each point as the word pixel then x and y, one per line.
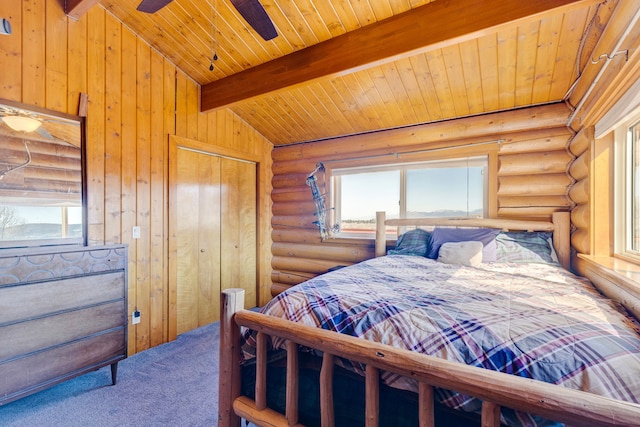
pixel 533 320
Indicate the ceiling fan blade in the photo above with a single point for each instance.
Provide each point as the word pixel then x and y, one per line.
pixel 152 6
pixel 255 15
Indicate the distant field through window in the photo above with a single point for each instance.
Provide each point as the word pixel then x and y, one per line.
pixel 445 188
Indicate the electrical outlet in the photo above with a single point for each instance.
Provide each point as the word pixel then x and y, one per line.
pixel 135 232
pixel 135 317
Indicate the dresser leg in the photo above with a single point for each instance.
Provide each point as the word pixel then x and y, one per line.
pixel 114 372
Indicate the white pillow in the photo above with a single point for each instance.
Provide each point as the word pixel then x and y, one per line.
pixel 461 253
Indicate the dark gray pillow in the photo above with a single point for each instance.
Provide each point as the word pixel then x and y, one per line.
pixel 413 242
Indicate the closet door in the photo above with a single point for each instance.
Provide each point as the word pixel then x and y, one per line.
pixel 238 231
pixel 216 232
pixel 198 240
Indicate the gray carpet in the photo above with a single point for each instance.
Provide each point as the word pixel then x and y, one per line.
pixel 175 384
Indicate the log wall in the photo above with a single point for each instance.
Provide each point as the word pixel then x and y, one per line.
pixel 579 194
pixel 528 180
pixel 136 99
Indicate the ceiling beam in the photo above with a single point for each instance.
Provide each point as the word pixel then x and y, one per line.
pixel 77 8
pixel 434 25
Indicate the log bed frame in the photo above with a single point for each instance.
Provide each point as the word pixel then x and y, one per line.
pixel 495 389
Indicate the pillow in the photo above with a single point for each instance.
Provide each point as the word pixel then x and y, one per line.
pixel 485 235
pixel 413 242
pixel 523 247
pixel 461 253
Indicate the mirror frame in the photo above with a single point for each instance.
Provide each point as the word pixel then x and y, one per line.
pixel 36 111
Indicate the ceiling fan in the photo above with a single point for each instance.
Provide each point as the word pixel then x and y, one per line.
pixel 251 10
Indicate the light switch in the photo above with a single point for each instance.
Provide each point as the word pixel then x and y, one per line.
pixel 135 233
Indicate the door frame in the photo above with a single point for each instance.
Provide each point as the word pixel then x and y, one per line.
pixel 176 143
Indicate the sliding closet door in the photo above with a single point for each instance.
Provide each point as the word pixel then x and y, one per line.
pixel 238 231
pixel 198 240
pixel 216 234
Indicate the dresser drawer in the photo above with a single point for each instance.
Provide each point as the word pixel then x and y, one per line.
pixel 42 333
pixel 32 300
pixel 45 264
pixel 40 370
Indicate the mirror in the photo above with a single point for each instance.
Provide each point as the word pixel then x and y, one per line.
pixel 42 197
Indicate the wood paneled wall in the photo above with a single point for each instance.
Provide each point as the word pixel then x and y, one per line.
pixel 528 179
pixel 136 99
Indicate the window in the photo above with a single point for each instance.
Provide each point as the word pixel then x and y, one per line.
pixel 627 195
pixel 442 188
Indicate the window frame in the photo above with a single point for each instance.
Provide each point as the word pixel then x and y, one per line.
pixel 335 172
pixel 623 187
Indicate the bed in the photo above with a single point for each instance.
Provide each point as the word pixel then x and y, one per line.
pixel 475 322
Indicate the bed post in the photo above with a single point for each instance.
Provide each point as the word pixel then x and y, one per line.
pixel 381 234
pixel 562 237
pixel 232 301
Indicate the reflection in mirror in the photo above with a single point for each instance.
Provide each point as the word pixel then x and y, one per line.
pixel 41 177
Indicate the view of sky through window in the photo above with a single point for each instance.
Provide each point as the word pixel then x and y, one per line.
pixel 442 191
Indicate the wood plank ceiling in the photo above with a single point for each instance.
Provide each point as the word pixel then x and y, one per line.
pixel 532 61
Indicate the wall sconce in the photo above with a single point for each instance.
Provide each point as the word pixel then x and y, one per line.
pixel 21 123
pixel 5 26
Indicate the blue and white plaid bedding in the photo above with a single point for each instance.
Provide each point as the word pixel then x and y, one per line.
pixel 532 320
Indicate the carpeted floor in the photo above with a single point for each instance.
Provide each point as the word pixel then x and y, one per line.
pixel 175 384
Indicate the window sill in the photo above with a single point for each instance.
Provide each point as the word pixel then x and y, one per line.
pixel 616 278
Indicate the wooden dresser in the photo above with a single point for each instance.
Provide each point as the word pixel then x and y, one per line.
pixel 63 312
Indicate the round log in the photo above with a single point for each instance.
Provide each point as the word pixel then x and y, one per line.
pixel 293 208
pixel 581 216
pixel 62 187
pixel 292 221
pixel 539 212
pixel 305 166
pixel 291 180
pixel 544 143
pixel 581 141
pixel 552 184
pixel 41 148
pixel 534 163
pixel 290 277
pixel 303 265
pixel 296 235
pixel 580 241
pixel 579 169
pixel 297 194
pixel 42 161
pixel 53 174
pixel 533 200
pixel 350 253
pixel 579 191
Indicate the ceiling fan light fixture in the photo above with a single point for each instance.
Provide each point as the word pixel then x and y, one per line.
pixel 22 123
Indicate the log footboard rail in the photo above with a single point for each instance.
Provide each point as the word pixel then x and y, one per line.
pixel 495 389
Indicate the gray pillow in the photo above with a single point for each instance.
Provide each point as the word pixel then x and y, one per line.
pixel 413 242
pixel 524 247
